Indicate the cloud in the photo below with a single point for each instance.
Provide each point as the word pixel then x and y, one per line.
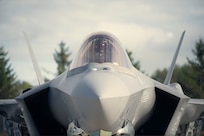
pixel 151 29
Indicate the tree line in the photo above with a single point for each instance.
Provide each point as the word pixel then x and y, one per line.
pixel 10 86
pixel 189 75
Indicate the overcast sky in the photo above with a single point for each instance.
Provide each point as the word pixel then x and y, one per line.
pixel 150 29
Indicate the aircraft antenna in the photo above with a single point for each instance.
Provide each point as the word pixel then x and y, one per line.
pixel 171 68
pixel 35 64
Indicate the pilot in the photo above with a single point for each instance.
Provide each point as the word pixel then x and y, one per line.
pixel 100 50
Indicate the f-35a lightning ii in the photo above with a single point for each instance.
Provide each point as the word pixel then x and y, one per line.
pixel 102 93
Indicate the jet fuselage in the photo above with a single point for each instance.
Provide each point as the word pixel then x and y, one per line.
pixel 101 96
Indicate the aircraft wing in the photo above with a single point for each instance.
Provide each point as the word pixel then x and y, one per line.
pixel 196 101
pixel 10 110
pixel 193 111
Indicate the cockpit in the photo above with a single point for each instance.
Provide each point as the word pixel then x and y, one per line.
pixel 101 48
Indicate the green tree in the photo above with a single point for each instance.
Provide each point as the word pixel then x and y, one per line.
pixel 198 64
pixel 135 64
pixel 159 75
pixel 62 58
pixel 8 79
pixel 182 75
pixel 22 85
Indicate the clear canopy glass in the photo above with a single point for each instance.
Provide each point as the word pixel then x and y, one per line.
pixel 101 48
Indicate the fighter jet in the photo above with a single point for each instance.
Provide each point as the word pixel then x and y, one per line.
pixel 103 94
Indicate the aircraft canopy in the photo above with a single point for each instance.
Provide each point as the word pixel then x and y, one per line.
pixel 101 48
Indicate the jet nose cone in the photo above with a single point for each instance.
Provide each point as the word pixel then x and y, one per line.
pixel 100 85
pixel 100 99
